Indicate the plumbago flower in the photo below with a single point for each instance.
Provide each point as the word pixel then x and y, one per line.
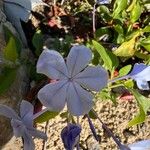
pixel 141 145
pixel 103 1
pixel 70 136
pixel 23 125
pixel 73 78
pixel 140 73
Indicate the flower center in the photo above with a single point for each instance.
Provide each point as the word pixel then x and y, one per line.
pixel 70 79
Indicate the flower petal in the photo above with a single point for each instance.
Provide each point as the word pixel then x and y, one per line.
pixel 140 74
pixel 142 84
pixel 103 2
pixel 78 59
pixel 26 113
pixel 93 78
pixel 70 136
pixel 18 127
pixel 8 112
pixel 28 143
pixel 79 101
pixel 53 95
pixel 138 68
pixel 141 145
pixel 143 72
pixel 52 64
pixel 37 134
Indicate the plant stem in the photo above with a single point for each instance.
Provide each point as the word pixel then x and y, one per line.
pixel 110 133
pixel 40 113
pixel 62 2
pixel 78 147
pixel 119 78
pixel 94 24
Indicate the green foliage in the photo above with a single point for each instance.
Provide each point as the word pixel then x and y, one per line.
pixel 125 70
pixel 127 49
pixel 135 12
pixel 146 43
pixel 7 77
pixel 102 32
pixel 92 115
pixel 119 29
pixel 110 60
pixel 119 6
pixel 46 116
pixel 10 51
pixel 146 29
pixel 107 94
pixel 144 106
pixel 13 46
pixel 37 41
pixel 129 83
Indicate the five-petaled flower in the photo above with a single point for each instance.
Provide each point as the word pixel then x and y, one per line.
pixel 23 125
pixel 140 73
pixel 73 79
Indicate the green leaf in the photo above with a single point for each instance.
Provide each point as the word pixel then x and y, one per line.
pixel 139 118
pixel 92 115
pixel 142 55
pixel 110 60
pixel 136 12
pixel 10 51
pixel 119 6
pixel 8 35
pixel 146 43
pixel 125 70
pixel 129 83
pixel 118 28
pixel 127 49
pixel 146 29
pixel 46 116
pixel 144 106
pixel 106 94
pixel 104 13
pixel 7 77
pixel 37 41
pixel 101 32
pixel 133 3
pixel 96 58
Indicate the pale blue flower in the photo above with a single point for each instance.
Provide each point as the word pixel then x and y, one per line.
pixel 103 2
pixel 141 145
pixel 70 136
pixel 23 125
pixel 140 73
pixel 73 78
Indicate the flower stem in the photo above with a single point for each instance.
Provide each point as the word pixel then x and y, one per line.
pixel 40 113
pixel 78 147
pixel 110 133
pixel 94 24
pixel 117 79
